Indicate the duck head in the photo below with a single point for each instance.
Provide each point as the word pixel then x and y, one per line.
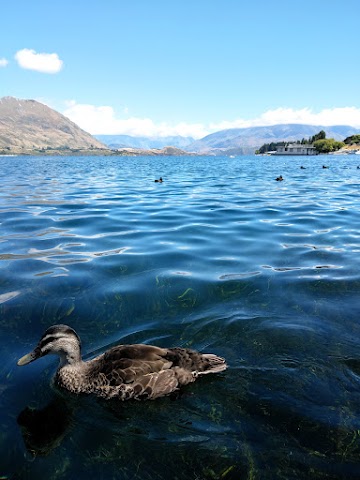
pixel 57 340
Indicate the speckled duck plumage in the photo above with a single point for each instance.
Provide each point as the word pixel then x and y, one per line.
pixel 125 371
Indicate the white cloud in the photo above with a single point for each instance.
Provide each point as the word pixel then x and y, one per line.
pixel 3 62
pixel 103 120
pixel 40 62
pixel 330 116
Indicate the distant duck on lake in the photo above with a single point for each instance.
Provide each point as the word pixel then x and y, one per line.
pixel 324 166
pixel 303 168
pixel 159 181
pixel 279 179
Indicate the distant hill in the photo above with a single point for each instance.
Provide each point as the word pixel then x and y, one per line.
pixel 235 141
pixel 247 140
pixel 146 143
pixel 28 124
pixel 168 151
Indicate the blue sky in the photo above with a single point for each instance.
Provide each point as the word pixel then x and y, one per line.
pixel 186 67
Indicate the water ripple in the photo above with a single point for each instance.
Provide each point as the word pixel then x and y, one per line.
pixel 219 258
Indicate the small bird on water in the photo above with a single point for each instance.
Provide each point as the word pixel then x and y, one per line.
pixel 125 371
pixel 279 179
pixel 159 181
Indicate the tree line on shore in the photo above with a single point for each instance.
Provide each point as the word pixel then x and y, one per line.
pixel 319 141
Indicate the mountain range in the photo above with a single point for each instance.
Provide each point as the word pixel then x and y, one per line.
pixel 247 140
pixel 234 141
pixel 28 126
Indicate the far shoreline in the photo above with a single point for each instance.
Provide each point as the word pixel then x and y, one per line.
pixel 133 152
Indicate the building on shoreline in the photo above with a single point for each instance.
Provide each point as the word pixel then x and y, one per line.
pixel 295 149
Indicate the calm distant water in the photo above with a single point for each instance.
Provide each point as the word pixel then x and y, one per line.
pixel 220 258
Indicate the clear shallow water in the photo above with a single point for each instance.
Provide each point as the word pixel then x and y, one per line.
pixel 220 258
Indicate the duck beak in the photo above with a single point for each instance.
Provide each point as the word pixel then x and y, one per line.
pixel 30 357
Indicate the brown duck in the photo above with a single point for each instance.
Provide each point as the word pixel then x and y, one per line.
pixel 125 371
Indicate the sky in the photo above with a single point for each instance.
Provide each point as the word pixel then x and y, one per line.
pixel 184 67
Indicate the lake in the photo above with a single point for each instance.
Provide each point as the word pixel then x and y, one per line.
pixel 221 258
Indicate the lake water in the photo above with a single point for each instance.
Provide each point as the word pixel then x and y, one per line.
pixel 220 258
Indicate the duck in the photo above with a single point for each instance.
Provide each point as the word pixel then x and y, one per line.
pixel 159 181
pixel 279 179
pixel 303 168
pixel 124 372
pixel 324 166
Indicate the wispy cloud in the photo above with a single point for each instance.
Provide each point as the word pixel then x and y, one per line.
pixel 40 62
pixel 103 120
pixel 329 116
pixel 3 62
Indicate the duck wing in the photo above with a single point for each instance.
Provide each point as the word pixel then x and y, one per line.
pixel 132 371
pixel 145 371
pixel 145 359
pixel 125 363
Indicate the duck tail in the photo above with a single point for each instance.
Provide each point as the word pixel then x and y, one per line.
pixel 214 364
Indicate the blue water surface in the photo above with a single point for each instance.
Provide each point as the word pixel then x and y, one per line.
pixel 220 258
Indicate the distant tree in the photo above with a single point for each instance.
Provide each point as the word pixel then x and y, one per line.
pixel 319 136
pixel 327 145
pixel 351 140
pixel 269 147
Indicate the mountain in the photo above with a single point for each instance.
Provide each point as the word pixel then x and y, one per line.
pixel 29 125
pixel 147 143
pixel 247 140
pixel 235 141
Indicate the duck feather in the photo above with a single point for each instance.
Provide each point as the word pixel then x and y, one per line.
pixel 125 371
